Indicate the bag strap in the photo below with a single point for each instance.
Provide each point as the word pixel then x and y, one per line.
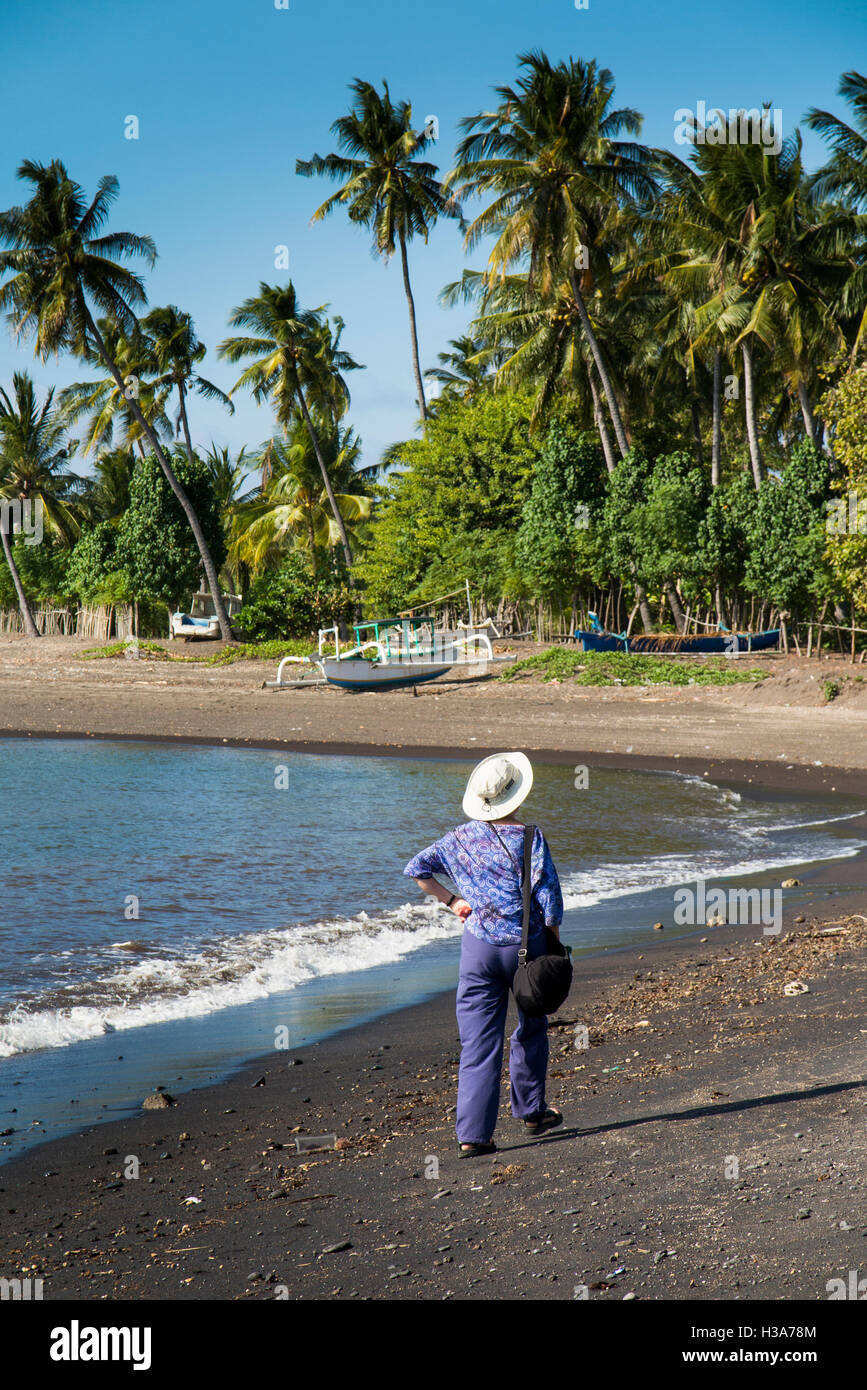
pixel 529 831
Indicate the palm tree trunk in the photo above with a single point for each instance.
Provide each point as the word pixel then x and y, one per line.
pixel 716 444
pixel 198 534
pixel 601 426
pixel 750 412
pixel 23 603
pixel 675 605
pixel 184 421
pixel 807 412
pixel 613 407
pixel 323 468
pixel 412 328
pixel 311 541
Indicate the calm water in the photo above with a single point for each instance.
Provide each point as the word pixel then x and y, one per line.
pixel 170 906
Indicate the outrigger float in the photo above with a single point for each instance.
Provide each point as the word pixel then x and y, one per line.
pixel 389 653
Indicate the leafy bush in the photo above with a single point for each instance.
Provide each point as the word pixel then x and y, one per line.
pixel 290 602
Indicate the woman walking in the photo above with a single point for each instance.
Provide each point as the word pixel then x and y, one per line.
pixel 483 859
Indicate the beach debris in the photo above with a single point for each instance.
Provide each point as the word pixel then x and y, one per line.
pixel 657 926
pixel 716 919
pixel 309 1143
pixel 260 1082
pixel 445 1192
pixel 800 917
pixel 192 1202
pixel 627 1297
pixel 804 1213
pixel 336 1249
pixel 159 1100
pixel 791 883
pixel 795 987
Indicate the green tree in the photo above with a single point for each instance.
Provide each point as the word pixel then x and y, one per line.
pixel 33 460
pixel 290 368
pixel 175 353
pixel 154 546
pixel 59 267
pixel 385 186
pixel 454 508
pixel 552 158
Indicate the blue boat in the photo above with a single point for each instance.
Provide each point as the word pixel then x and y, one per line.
pixel 727 643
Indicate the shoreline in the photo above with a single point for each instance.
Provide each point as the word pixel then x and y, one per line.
pixel 695 1056
pixel 766 775
pixel 719 1069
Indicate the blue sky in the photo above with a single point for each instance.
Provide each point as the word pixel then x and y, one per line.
pixel 228 93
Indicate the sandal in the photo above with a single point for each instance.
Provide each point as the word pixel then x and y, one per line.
pixel 475 1150
pixel 546 1119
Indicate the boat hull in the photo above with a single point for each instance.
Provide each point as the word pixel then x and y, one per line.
pixel 356 673
pixel 660 643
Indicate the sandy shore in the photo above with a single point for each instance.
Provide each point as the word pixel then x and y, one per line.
pixel 714 1147
pixel 714 1142
pixel 783 726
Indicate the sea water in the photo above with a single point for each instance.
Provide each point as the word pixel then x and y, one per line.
pixel 170 910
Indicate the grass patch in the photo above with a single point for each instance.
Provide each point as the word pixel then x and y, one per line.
pixel 257 651
pixel 623 668
pixel 149 651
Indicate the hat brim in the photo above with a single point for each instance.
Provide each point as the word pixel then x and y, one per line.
pixel 477 808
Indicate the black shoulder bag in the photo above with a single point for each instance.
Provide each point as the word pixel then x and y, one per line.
pixel 540 985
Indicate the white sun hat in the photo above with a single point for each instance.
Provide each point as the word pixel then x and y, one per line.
pixel 497 786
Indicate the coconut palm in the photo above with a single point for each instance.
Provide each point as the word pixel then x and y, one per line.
pixel 385 186
pixel 462 372
pixel 106 406
pixel 33 460
pixel 551 156
pixel 176 352
pixel 844 178
pixel 845 175
pixel 292 501
pixel 105 495
pixel 296 367
pixel 60 267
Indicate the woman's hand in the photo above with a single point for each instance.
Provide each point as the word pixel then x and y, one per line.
pixel 461 909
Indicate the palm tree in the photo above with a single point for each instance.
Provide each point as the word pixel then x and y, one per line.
pixel 59 267
pixel 106 405
pixel 176 352
pixel 296 366
pixel 105 496
pixel 845 175
pixel 385 186
pixel 462 372
pixel 844 178
pixel 551 156
pixel 293 502
pixel 232 489
pixel 33 458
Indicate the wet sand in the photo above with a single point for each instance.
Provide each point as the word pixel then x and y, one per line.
pixel 714 1141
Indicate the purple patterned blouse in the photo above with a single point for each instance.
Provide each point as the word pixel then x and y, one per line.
pixel 489 878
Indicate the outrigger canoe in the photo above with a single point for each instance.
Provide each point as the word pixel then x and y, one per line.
pixel 726 642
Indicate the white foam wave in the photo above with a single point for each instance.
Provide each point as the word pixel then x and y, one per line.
pixel 607 881
pixel 231 971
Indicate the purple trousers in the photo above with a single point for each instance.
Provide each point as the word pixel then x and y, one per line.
pixel 482 1001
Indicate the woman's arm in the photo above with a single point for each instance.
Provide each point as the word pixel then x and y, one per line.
pixel 547 890
pixel 458 906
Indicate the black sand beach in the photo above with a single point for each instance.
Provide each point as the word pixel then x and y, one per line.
pixel 713 1148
